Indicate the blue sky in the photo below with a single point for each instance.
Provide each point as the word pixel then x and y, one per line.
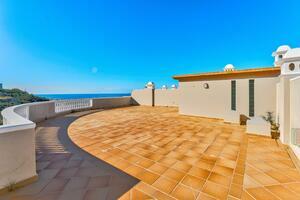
pixel 86 46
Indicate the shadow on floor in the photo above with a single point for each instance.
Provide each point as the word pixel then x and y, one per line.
pixel 67 172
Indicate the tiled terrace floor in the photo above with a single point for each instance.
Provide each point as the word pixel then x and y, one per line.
pixel 174 156
pixel 68 173
pixel 270 173
pixel 184 157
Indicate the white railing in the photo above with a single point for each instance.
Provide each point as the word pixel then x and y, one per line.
pixel 74 104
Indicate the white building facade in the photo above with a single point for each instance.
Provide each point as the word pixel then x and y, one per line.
pixel 232 93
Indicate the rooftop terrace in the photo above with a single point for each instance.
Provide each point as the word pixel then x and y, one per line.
pixel 143 152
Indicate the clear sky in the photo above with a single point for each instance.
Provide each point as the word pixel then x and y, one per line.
pixel 101 46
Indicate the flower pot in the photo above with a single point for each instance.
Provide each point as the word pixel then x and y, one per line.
pixel 275 134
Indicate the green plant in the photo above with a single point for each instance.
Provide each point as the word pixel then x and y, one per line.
pixel 269 117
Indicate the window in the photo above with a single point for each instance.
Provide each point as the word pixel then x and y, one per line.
pixel 280 57
pixel 251 98
pixel 292 66
pixel 233 95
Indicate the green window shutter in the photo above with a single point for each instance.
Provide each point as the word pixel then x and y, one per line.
pixel 233 95
pixel 251 98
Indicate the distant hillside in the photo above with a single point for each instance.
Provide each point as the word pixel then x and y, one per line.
pixel 11 97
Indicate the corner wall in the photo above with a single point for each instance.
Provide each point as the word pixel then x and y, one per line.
pixel 162 97
pixel 142 96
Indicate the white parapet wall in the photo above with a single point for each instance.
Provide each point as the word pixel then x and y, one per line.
pixel 142 96
pixel 166 97
pixel 162 97
pixel 17 135
pixel 17 146
pixel 99 103
pixel 258 126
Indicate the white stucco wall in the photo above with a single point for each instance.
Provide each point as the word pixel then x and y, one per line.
pixel 142 96
pixel 167 97
pixel 98 103
pixel 17 153
pixel 41 111
pixel 294 112
pixel 215 102
pixel 196 100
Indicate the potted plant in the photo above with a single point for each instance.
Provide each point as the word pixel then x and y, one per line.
pixel 275 133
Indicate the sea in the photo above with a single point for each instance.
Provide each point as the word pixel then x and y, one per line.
pixel 81 96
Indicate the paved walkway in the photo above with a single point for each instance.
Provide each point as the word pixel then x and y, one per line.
pixel 68 173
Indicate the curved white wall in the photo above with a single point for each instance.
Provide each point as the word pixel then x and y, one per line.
pixel 17 135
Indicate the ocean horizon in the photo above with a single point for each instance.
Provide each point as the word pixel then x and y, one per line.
pixel 81 96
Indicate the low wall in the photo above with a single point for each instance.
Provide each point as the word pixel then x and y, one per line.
pixel 17 154
pixel 162 97
pixel 17 135
pixel 41 111
pixel 111 102
pixel 142 97
pixel 166 97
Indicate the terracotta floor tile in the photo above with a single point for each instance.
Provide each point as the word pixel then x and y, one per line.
pixel 194 182
pixel 246 196
pixel 238 179
pixel 183 192
pixel 174 174
pixel 204 165
pixel 146 188
pixel 167 161
pixel 134 170
pixel 261 194
pixel 283 192
pixel 162 196
pixel 225 171
pixel 219 179
pixel 204 196
pixel 158 168
pixel 126 196
pixel 123 164
pixel 145 163
pixel 226 163
pixel 198 172
pixel 264 179
pixel 136 194
pixel 215 190
pixel 182 166
pixel 147 177
pixel 280 177
pixel 236 191
pixel 165 184
pixel 295 187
